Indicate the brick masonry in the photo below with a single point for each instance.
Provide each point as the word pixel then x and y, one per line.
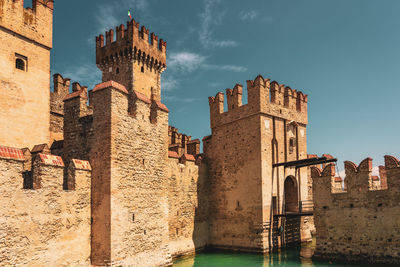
pixel 246 140
pixel 48 225
pixel 124 188
pixel 25 34
pixel 359 224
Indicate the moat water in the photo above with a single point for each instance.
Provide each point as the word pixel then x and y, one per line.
pixel 294 257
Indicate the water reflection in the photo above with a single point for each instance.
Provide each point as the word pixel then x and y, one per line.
pixel 297 257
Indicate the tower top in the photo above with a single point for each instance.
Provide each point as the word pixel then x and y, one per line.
pixel 263 96
pixel 131 41
pixel 34 23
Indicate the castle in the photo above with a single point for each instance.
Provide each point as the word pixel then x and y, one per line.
pixel 372 207
pixel 98 178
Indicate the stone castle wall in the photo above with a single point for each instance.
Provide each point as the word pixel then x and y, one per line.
pixel 246 140
pixel 359 224
pixel 187 176
pixel 26 35
pixel 152 195
pixel 42 224
pixel 129 224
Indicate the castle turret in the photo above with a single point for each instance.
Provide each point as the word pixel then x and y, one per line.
pixel 26 41
pixel 246 141
pixel 131 59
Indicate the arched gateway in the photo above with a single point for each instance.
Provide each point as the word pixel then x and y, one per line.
pixel 291 195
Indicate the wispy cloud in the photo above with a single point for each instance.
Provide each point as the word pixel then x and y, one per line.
pixel 185 61
pixel 169 83
pixel 254 15
pixel 211 17
pixel 248 15
pixel 179 99
pixel 188 62
pixel 225 67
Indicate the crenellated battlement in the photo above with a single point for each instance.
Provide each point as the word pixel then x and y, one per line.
pixel 42 210
pixel 46 170
pixel 181 145
pixel 132 42
pixel 363 215
pixel 359 182
pixel 78 116
pixel 34 23
pixel 263 96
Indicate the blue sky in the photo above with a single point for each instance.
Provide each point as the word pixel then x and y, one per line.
pixel 343 54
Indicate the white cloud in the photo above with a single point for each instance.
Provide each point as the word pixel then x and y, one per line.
pixel 210 18
pixel 226 67
pixel 249 15
pixel 185 61
pixel 169 83
pixel 179 99
pixel 188 62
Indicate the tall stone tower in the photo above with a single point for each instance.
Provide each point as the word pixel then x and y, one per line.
pixel 132 60
pixel 128 149
pixel 246 141
pixel 26 41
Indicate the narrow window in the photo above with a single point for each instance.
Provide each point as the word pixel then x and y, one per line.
pixel 20 64
pixel 291 145
pixel 117 70
pixel 142 69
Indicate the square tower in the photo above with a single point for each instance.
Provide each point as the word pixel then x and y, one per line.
pixel 26 41
pixel 133 59
pixel 246 140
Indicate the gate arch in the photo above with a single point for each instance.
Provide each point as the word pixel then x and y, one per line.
pixel 291 195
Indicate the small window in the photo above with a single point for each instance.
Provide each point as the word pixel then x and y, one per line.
pixel 20 64
pixel 117 70
pixel 142 69
pixel 291 144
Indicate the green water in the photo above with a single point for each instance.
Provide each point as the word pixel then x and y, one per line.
pixel 288 257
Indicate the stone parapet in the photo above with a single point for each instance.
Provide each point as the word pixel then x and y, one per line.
pixel 358 224
pixel 43 219
pixel 269 98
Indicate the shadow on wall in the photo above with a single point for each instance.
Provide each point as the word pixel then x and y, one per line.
pixel 200 231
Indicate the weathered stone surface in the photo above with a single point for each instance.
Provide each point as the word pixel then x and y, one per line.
pixel 188 206
pixel 153 196
pixel 360 224
pixel 47 226
pixel 246 140
pixel 130 200
pixel 26 35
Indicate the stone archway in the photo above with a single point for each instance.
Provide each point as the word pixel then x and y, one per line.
pixel 291 195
